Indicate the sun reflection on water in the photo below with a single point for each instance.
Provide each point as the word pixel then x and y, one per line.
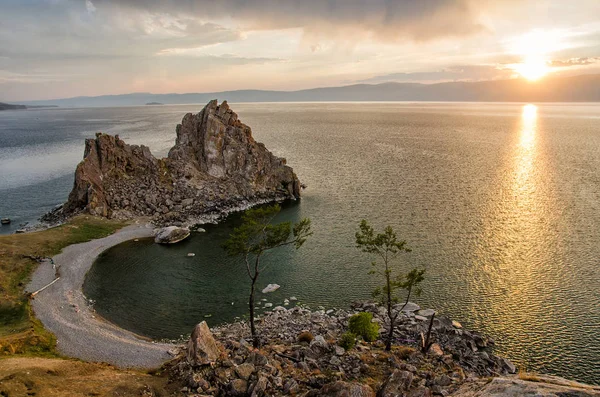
pixel 529 121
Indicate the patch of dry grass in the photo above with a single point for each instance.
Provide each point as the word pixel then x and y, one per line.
pixel 71 378
pixel 531 377
pixel 20 332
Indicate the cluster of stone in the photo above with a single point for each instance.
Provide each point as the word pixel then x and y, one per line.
pixel 228 365
pixel 215 167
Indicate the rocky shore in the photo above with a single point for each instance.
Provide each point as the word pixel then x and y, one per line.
pixel 224 363
pixel 214 168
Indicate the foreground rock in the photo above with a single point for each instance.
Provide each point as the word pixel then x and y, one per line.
pixel 530 385
pixel 286 365
pixel 215 166
pixel 171 235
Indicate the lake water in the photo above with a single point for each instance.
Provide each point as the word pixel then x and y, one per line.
pixel 499 202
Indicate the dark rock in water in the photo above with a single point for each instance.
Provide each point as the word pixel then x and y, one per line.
pixel 171 235
pixel 215 166
pixel 5 221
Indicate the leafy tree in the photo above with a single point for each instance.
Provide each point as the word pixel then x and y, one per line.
pixel 257 236
pixel 386 246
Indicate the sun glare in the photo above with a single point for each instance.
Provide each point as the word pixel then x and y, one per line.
pixel 532 69
pixel 534 49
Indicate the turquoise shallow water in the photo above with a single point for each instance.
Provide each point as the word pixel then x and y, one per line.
pixel 500 202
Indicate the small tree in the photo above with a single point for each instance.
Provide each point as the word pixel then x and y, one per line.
pixel 387 246
pixel 255 237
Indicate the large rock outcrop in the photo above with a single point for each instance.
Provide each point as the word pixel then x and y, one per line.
pixel 215 166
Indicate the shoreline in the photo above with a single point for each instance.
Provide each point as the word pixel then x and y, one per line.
pixel 80 332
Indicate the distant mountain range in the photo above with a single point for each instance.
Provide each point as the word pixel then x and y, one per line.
pixel 584 88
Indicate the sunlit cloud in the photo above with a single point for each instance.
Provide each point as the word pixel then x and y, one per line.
pixel 99 47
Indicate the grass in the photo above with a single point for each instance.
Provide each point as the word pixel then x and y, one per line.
pixel 20 331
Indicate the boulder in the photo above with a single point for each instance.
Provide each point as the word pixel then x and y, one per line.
pixel 271 288
pixel 171 235
pixel 346 389
pixel 426 312
pixel 202 348
pixel 410 307
pixel 245 370
pixel 396 384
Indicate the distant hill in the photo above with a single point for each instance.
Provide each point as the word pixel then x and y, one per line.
pixel 585 88
pixel 7 106
pixel 154 103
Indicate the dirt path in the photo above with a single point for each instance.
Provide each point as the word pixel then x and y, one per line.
pixel 64 310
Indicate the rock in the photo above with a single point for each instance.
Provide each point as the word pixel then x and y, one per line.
pixel 257 359
pixel 202 347
pixel 271 288
pixel 293 298
pixel 443 380
pixel 420 318
pixel 426 312
pixel 346 389
pixel 508 366
pixel 237 387
pixel 279 309
pixel 339 350
pixel 171 235
pixel 319 343
pixel 260 387
pixel 456 324
pixel 290 387
pixel 436 350
pixel 420 391
pixel 268 304
pixel 5 221
pixel 191 254
pixel 544 385
pixel 410 307
pixel 396 384
pixel 244 370
pixel 214 167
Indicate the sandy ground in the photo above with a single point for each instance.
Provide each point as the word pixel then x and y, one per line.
pixel 64 310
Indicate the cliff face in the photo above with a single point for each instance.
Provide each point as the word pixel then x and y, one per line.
pixel 215 165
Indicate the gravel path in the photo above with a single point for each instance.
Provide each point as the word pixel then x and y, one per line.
pixel 64 310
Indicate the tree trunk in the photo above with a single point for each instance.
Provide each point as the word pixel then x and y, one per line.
pixel 388 343
pixel 427 343
pixel 251 305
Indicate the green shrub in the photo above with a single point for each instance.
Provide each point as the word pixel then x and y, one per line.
pixel 347 340
pixel 305 337
pixel 362 325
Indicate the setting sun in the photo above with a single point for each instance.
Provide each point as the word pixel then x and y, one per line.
pixel 532 69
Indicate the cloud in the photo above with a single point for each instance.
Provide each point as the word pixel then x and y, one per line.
pixel 452 73
pixel 382 20
pixel 90 7
pixel 574 62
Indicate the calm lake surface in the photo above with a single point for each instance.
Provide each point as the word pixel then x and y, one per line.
pixel 499 202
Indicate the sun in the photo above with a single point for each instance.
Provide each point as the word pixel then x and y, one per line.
pixel 532 68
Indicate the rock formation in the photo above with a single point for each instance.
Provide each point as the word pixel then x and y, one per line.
pixel 215 166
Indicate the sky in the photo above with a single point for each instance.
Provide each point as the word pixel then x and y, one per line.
pixel 64 48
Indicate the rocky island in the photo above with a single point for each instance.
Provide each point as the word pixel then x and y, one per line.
pixel 214 168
